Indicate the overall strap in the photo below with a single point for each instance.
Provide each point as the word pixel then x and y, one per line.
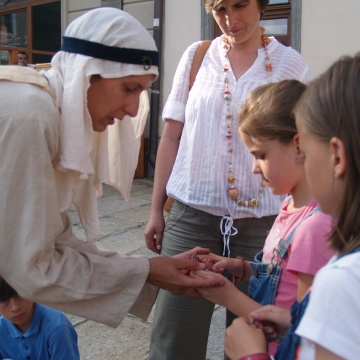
pixel 198 58
pixel 284 245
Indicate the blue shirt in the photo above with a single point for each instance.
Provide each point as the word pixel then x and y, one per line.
pixel 50 336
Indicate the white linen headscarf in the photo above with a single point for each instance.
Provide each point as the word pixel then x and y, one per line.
pixel 87 159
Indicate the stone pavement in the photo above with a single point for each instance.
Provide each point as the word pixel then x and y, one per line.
pixel 122 226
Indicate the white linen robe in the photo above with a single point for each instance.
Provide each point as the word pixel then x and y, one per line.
pixel 39 255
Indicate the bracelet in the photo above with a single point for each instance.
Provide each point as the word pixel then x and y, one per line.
pixel 236 278
pixel 259 356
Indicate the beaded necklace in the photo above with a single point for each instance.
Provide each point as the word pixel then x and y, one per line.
pixel 233 191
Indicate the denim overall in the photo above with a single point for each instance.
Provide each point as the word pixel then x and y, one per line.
pixel 291 341
pixel 264 282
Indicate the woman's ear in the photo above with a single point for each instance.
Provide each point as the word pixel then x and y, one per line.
pixel 338 156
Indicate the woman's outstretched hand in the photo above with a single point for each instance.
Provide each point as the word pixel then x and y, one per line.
pixel 243 339
pixel 170 273
pixel 193 254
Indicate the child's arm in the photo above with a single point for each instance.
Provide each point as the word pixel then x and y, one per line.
pixel 227 295
pixel 63 344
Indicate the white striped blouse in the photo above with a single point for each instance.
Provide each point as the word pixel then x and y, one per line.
pixel 200 174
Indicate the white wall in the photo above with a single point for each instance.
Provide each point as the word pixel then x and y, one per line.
pixel 328 31
pixel 182 27
pixel 72 9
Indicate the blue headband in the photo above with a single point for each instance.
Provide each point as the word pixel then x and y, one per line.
pixel 111 53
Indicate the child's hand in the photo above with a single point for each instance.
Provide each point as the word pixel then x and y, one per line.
pixel 195 251
pixel 220 263
pixel 243 339
pixel 188 255
pixel 272 320
pixel 215 295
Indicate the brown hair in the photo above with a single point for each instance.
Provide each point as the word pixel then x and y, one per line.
pixel 211 5
pixel 329 108
pixel 6 291
pixel 267 114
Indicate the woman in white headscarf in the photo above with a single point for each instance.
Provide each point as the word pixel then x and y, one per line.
pixel 51 157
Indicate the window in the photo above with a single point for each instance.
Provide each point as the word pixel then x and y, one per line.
pixel 277 20
pixel 32 26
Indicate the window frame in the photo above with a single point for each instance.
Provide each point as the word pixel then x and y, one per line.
pixel 24 6
pixel 280 11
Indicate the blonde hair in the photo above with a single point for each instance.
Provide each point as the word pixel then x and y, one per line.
pixel 267 114
pixel 329 108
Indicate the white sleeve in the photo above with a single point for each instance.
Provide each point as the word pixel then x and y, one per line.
pixel 40 256
pixel 175 105
pixel 332 317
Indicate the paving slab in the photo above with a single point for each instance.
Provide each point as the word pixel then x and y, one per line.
pixel 111 205
pixel 126 242
pixel 128 341
pixel 137 214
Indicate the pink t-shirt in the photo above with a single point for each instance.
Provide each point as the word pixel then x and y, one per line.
pixel 308 251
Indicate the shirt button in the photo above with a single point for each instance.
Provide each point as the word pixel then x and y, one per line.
pixel 255 272
pixel 26 347
pixel 28 358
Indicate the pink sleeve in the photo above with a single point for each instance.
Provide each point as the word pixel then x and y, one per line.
pixel 309 249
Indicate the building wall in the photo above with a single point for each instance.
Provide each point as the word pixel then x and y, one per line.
pixel 141 10
pixel 182 27
pixel 71 9
pixel 328 31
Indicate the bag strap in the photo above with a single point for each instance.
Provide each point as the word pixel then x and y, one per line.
pixel 198 58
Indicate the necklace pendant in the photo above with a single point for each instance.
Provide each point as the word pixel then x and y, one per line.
pixel 233 192
pixel 254 202
pixel 227 97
